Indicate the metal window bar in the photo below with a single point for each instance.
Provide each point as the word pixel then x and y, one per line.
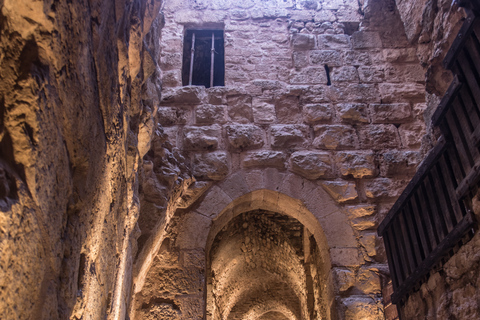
pixel 192 56
pixel 212 59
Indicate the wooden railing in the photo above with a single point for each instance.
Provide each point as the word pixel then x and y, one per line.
pixel 433 213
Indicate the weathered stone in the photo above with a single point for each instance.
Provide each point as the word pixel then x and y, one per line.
pixel 288 109
pixel 324 15
pixel 411 134
pixel 208 114
pixel 343 74
pixel 353 92
pixel 365 40
pixel 289 135
pixel 312 165
pixel 168 116
pixel 184 95
pixel 201 138
pixel 404 73
pixel 396 162
pixel 341 191
pixel 369 243
pixel 353 112
pixel 244 136
pixel 371 74
pixel 263 112
pixel 391 92
pixel 332 58
pixel 333 41
pixel 384 188
pixel 391 113
pixel 345 257
pixel 334 137
pixel 400 55
pixel 357 58
pixel 362 308
pixel 302 41
pixel 210 166
pixel 345 279
pixel 310 75
pixel 314 113
pixel 357 165
pixel 378 137
pixel 265 158
pixel 240 108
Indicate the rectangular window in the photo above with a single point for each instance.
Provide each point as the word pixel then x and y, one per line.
pixel 203 58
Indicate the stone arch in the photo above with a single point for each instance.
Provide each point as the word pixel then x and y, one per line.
pixel 276 191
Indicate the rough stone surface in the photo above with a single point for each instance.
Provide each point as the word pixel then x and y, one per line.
pixel 245 136
pixel 312 165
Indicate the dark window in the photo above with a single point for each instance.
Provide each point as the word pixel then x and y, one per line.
pixel 200 71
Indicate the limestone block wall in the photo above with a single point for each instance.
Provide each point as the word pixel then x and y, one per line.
pixel 356 138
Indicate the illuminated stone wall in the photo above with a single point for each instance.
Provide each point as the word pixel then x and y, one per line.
pixel 356 139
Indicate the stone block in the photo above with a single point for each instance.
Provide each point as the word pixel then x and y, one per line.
pixel 345 279
pixel 377 137
pixel 300 59
pixel 334 137
pixel 210 166
pixel 315 113
pixel 411 134
pixel 263 112
pixel 265 158
pixel 353 92
pixel 405 73
pixel 338 231
pixel 400 55
pixel 396 162
pixel 384 188
pixel 310 75
pixel 341 191
pixel 355 164
pixel 332 58
pixel 216 96
pixel 169 116
pixel 289 135
pixel 345 74
pixel 184 95
pixel 332 4
pixel 303 41
pixel 255 179
pixel 362 307
pixel 209 114
pixel 371 74
pixel 245 136
pixel 333 41
pixel 235 185
pixel 191 233
pixel 240 108
pixel 312 165
pixel 324 16
pixel 345 257
pixel 391 113
pixel 201 138
pixel 357 58
pixel 353 112
pixel 366 40
pixel 288 109
pixel 368 281
pixel 369 242
pixel 394 92
pixel 239 14
pixel 214 202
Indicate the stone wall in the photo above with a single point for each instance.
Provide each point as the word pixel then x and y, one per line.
pixel 357 137
pixel 77 98
pixel 450 291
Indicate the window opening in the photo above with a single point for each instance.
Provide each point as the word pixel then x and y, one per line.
pixel 203 58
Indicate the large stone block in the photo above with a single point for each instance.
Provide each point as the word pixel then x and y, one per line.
pixel 211 166
pixel 168 116
pixel 353 112
pixel 391 113
pixel 366 40
pixel 208 114
pixel 184 95
pixel 289 135
pixel 362 307
pixel 333 41
pixel 263 112
pixel 345 74
pixel 245 136
pixel 378 137
pixel 371 74
pixel 314 113
pixel 396 162
pixel 384 188
pixel 335 137
pixel 240 108
pixel 310 75
pixel 201 138
pixel 312 165
pixel 265 158
pixel 303 41
pixel 341 191
pixel 345 257
pixel 411 134
pixel 332 58
pixel 394 92
pixel 357 58
pixel 288 109
pixel 355 164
